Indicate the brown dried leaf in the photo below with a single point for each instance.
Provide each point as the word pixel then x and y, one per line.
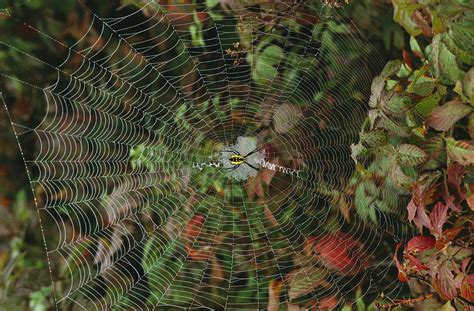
pixel 422 21
pixel 411 208
pixel 455 174
pixel 254 186
pixel 217 270
pixel 470 198
pixel 107 247
pixel 467 288
pixel 305 280
pixel 266 176
pixel 286 117
pixel 444 117
pixel 460 151
pixel 274 290
pixel 269 216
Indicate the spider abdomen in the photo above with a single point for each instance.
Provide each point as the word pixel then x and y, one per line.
pixel 236 160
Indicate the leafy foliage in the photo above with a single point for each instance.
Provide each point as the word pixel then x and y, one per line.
pixel 423 105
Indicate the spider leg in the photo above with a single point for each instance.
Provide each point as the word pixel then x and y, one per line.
pixel 253 151
pixel 231 168
pixel 231 150
pixel 251 166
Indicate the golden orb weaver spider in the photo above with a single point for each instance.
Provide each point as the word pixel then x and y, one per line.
pixel 236 159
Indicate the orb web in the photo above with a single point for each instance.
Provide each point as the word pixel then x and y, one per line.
pixel 137 208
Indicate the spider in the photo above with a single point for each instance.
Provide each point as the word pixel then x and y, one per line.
pixel 236 159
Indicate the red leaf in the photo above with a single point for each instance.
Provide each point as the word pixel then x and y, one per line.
pixel 406 58
pixel 267 175
pixel 467 288
pixel 455 174
pixel 306 19
pixel 402 276
pixel 416 264
pixel 444 282
pixel 270 151
pixel 340 251
pixel 422 218
pixel 452 233
pixel 438 218
pixel 448 235
pixel 328 303
pixel 309 245
pixel 269 215
pixel 179 19
pixel 202 16
pixel 194 226
pixel 201 254
pixel 416 207
pixel 421 243
pixel 464 264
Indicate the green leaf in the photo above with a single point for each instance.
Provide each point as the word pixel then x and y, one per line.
pixel 422 85
pixel 444 117
pixel 373 138
pixel 399 177
pixel 460 151
pixel 411 155
pixel 404 72
pixel 265 70
pixel 397 129
pixel 358 151
pixel 39 300
pixel 435 148
pixel 367 201
pixel 360 300
pixel 390 84
pixel 444 62
pixel 447 307
pixel 459 39
pixel 34 4
pixel 468 86
pixel 425 106
pixel 211 3
pixel 391 68
pixel 415 47
pixel 398 104
pixel 378 84
pixel 304 281
pixel 463 55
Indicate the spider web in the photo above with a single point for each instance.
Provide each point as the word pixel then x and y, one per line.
pixel 139 96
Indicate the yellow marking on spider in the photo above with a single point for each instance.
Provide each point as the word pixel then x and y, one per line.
pixel 236 160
